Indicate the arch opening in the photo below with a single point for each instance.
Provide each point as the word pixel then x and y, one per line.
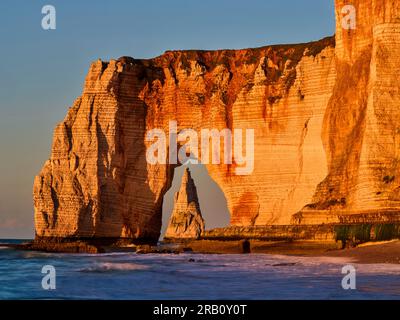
pixel 213 204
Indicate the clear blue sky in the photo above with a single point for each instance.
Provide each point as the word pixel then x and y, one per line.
pixel 42 72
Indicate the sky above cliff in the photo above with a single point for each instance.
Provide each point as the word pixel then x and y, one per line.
pixel 42 72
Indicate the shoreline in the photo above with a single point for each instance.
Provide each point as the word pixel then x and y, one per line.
pixel 385 252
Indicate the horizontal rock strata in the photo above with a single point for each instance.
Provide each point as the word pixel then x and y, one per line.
pixel 186 220
pixel 324 114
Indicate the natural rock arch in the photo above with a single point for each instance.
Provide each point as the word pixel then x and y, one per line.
pixel 324 143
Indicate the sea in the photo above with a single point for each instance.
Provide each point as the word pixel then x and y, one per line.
pixel 190 276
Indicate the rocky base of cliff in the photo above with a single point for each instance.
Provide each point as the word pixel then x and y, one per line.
pixel 84 245
pixel 272 233
pixel 369 252
pixel 262 247
pixel 290 239
pixel 62 247
pixel 348 235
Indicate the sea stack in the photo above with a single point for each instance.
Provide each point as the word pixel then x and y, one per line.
pixel 326 137
pixel 186 221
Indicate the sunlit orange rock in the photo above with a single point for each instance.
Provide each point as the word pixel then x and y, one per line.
pixel 326 133
pixel 186 221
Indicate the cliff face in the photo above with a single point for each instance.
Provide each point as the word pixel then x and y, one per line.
pixel 360 128
pixel 186 220
pixel 326 140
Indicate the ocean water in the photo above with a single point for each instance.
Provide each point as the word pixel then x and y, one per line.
pixel 190 276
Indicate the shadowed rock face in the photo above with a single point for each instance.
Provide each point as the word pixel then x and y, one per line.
pixel 186 220
pixel 324 117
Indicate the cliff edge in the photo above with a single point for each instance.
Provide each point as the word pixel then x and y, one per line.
pixel 324 115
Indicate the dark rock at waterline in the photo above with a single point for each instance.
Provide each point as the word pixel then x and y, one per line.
pixel 245 246
pixel 146 249
pixel 61 247
pixel 284 264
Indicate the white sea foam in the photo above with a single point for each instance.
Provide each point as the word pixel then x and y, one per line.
pixel 288 265
pixel 108 254
pixel 378 268
pixel 253 276
pixel 113 266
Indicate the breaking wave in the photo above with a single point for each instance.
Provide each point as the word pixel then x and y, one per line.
pixel 112 266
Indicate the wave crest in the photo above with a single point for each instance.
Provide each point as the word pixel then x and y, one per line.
pixel 113 266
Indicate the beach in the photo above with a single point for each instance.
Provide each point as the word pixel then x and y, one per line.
pixel 191 275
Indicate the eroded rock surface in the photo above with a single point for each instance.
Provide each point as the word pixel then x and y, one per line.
pixel 360 130
pixel 325 120
pixel 186 220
